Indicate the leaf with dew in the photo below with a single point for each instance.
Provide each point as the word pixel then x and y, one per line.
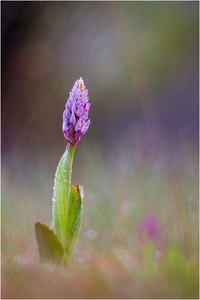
pixel 50 248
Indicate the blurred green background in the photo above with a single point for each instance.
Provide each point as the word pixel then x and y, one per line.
pixel 139 158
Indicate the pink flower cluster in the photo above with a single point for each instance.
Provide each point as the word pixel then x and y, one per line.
pixel 75 115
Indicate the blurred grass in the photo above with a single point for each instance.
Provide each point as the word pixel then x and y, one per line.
pixel 110 260
pixel 137 163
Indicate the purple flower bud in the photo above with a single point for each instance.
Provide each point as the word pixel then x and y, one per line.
pixel 148 228
pixel 78 125
pixel 72 118
pixel 75 115
pixel 79 111
pixel 85 127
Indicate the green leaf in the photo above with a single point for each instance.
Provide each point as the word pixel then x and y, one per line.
pixel 61 194
pixel 181 274
pixel 50 248
pixel 74 213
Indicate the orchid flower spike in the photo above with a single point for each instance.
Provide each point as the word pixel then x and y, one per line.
pixel 75 115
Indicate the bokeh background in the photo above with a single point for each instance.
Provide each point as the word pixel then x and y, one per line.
pixel 138 162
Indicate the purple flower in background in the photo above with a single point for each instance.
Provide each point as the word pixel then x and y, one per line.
pixel 148 228
pixel 75 115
